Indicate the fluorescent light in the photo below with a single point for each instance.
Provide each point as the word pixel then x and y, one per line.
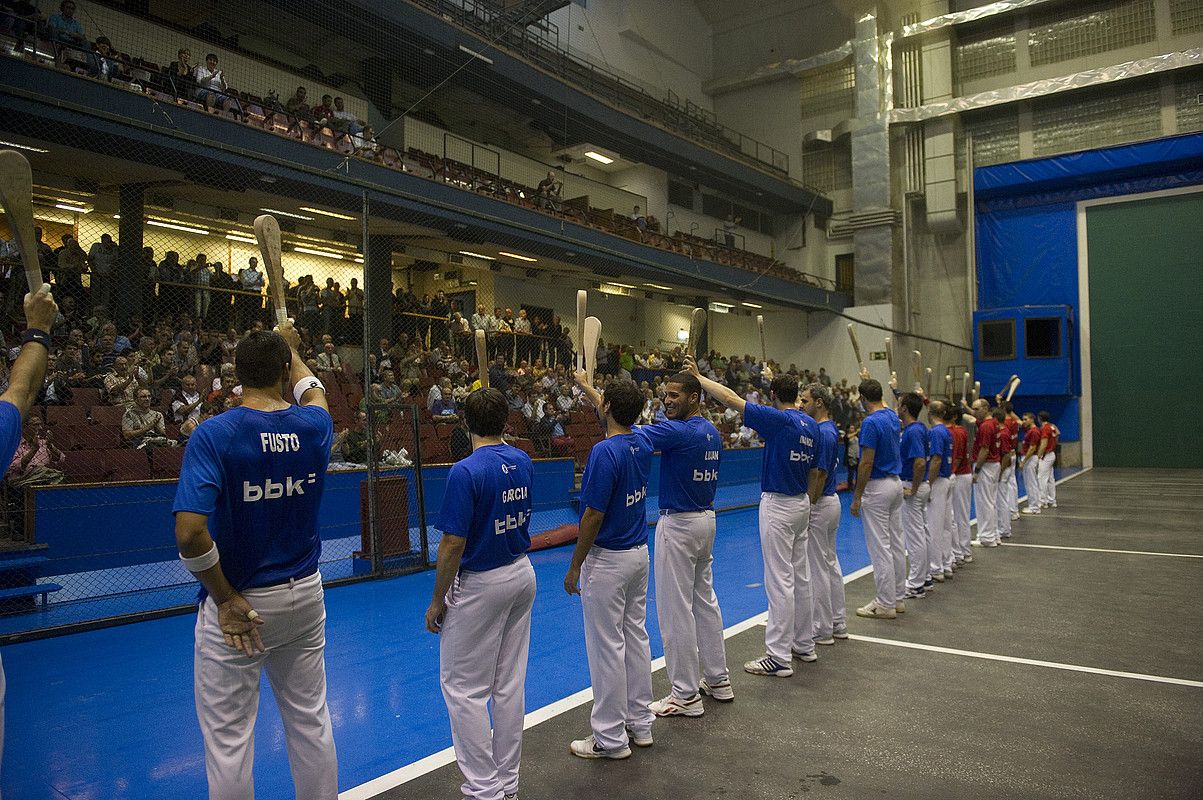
pixel 475 54
pixel 515 255
pixel 313 252
pixel 751 305
pixel 334 214
pixel 68 207
pixel 24 147
pixel 721 308
pixel 598 157
pixel 116 216
pixel 358 259
pixel 476 255
pixel 623 285
pixel 682 335
pixel 658 286
pixel 286 214
pixel 238 237
pixel 176 226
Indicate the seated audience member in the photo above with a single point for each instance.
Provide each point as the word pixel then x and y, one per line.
pixel 212 91
pixel 33 463
pixel 352 442
pixel 296 104
pixel 344 120
pixel 142 426
pixel 443 409
pixel 56 387
pixel 178 75
pixel 103 61
pixel 187 401
pixel 323 112
pixel 328 360
pixel 63 27
pixel 547 193
pixel 121 382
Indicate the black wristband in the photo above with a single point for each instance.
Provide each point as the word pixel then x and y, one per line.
pixel 35 335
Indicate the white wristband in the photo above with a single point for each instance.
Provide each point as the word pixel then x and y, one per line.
pixel 202 562
pixel 304 385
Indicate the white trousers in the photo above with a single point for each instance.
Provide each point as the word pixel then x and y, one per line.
pixel 826 576
pixel 985 499
pixel 914 531
pixel 784 523
pixel 1031 483
pixel 1048 482
pixel 939 527
pixel 691 622
pixel 1012 487
pixel 226 688
pixel 614 602
pixel 1002 508
pixel 960 501
pixel 881 513
pixel 483 650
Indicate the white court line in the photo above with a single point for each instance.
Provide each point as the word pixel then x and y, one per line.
pixel 1138 676
pixel 409 772
pixel 1103 550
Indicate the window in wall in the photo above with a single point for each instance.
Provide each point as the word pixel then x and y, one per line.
pixel 1073 30
pixel 1042 337
pixel 829 89
pixel 1189 103
pixel 988 50
pixel 680 194
pixel 1186 16
pixel 845 272
pixel 995 138
pixel 1100 119
pixel 996 340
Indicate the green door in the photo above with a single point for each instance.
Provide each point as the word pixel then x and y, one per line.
pixel 1146 319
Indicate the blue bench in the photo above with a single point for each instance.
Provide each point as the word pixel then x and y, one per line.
pixel 36 589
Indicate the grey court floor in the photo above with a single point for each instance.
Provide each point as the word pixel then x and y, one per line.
pixel 874 718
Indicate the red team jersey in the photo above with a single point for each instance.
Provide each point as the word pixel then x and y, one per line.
pixel 1006 443
pixel 1012 425
pixel 961 464
pixel 1048 431
pixel 1031 441
pixel 987 436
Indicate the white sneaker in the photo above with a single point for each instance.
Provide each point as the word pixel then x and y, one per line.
pixel 809 658
pixel 676 707
pixel 1031 510
pixel 874 611
pixel 824 638
pixel 900 607
pixel 769 666
pixel 840 633
pixel 513 796
pixel 640 739
pixel 720 690
pixel 1014 516
pixel 948 572
pixel 938 577
pixel 968 559
pixel 589 748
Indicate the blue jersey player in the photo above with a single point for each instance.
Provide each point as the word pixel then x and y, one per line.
pixel 609 570
pixel 484 589
pixel 246 525
pixel 826 577
pixel 789 452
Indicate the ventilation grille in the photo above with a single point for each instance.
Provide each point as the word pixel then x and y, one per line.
pixel 828 167
pixel 995 140
pixel 830 89
pixel 1186 16
pixel 1082 29
pixel 1189 102
pixel 987 51
pixel 1115 117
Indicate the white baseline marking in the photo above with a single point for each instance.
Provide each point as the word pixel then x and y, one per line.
pixel 1104 550
pixel 1138 676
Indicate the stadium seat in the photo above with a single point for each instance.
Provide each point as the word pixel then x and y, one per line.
pixel 107 415
pixel 86 466
pixel 165 462
pixel 86 397
pixel 66 415
pixel 128 465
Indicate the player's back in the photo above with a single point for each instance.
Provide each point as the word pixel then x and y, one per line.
pixel 615 483
pixel 488 503
pixel 258 476
pixel 689 458
pixel 789 447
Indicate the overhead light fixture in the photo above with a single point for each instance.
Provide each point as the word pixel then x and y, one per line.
pixel 177 226
pixel 286 214
pixel 334 214
pixel 238 237
pixel 116 216
pixel 752 305
pixel 598 157
pixel 515 255
pixel 658 286
pixel 682 335
pixel 69 207
pixel 475 54
pixel 623 285
pixel 721 308
pixel 358 259
pixel 476 255
pixel 312 252
pixel 24 147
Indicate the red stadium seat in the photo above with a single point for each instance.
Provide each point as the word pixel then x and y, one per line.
pixel 66 415
pixel 86 397
pixel 107 415
pixel 165 462
pixel 128 465
pixel 86 466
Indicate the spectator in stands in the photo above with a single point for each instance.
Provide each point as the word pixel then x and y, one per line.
pixel 71 364
pixel 309 300
pixel 179 75
pixel 142 426
pixel 201 277
pixel 64 27
pixel 365 141
pixel 323 113
pixel 389 391
pixel 824 378
pixel 565 402
pixel 56 387
pixel 121 382
pixel 212 91
pixel 639 219
pixel 296 104
pixel 344 120
pixel 104 62
pixel 352 442
pixel 444 408
pixel 729 225
pixel 250 279
pixel 102 258
pixel 522 335
pixel 355 310
pixel 186 402
pixel 328 360
pixel 33 463
pixel 547 193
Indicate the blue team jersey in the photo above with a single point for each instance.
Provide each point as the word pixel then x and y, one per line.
pixel 10 433
pixel 689 456
pixel 615 483
pixel 827 454
pixel 789 447
pixel 879 432
pixel 258 477
pixel 941 445
pixel 915 444
pixel 487 502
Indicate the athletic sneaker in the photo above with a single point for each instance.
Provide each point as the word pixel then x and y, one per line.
pixel 929 585
pixel 1014 517
pixel 589 748
pixel 676 707
pixel 720 691
pixel 874 611
pixel 809 658
pixel 1031 510
pixel 900 607
pixel 769 666
pixel 840 633
pixel 938 577
pixel 968 559
pixel 824 638
pixel 948 573
pixel 915 594
pixel 513 796
pixel 980 543
pixel 639 739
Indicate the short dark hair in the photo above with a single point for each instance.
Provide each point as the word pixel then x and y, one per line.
pixel 998 413
pixel 1006 406
pixel 820 393
pixel 687 382
pixel 260 359
pixel 486 412
pixel 912 403
pixel 870 389
pixel 951 413
pixel 1043 416
pixel 626 402
pixel 785 389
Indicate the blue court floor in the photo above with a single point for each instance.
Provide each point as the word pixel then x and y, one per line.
pixel 109 713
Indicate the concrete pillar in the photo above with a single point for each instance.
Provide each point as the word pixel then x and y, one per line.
pixel 128 279
pixel 378 287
